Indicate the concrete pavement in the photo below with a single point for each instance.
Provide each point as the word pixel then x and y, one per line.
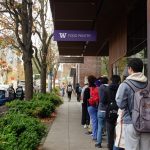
pixel 67 133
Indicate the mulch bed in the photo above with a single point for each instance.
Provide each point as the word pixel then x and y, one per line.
pixel 48 122
pixel 3 109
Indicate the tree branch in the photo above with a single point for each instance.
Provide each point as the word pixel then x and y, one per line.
pixel 36 56
pixel 38 33
pixel 39 70
pixel 49 39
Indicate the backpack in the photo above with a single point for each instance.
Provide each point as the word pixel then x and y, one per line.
pixel 141 109
pixel 94 97
pixel 112 112
pixel 69 88
pixel 112 109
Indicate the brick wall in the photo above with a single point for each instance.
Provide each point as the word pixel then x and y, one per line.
pixel 91 66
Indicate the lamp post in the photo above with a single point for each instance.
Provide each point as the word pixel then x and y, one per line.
pixel 50 78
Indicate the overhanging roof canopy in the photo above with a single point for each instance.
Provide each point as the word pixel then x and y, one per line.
pixel 99 15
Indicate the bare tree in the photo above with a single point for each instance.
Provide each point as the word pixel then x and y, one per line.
pixel 52 61
pixel 42 30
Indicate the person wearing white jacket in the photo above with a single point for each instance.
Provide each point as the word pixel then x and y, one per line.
pixel 119 141
pixel 134 140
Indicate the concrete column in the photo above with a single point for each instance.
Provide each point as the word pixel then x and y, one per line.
pixel 76 81
pixel 78 73
pixel 148 37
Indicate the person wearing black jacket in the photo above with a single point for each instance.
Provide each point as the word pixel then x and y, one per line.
pixel 112 110
pixel 85 114
pixel 78 91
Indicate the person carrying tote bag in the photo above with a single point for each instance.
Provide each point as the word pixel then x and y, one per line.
pixel 119 141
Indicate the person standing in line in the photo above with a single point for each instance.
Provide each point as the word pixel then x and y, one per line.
pixel 86 85
pixel 101 115
pixel 119 140
pixel 119 129
pixel 69 91
pixel 78 91
pixel 85 121
pixel 91 94
pixel 112 110
pixel 134 140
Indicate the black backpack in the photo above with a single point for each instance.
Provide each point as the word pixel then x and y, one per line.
pixel 112 108
pixel 112 112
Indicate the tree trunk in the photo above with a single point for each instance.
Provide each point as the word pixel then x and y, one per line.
pixel 28 78
pixel 43 78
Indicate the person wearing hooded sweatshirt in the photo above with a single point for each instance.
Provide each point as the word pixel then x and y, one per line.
pixel 112 110
pixel 101 114
pixel 124 98
pixel 92 108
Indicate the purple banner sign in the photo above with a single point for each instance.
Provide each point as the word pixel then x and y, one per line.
pixel 74 35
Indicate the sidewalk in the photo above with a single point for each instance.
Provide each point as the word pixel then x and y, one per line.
pixel 66 132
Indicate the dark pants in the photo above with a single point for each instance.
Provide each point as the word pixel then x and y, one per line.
pixel 85 115
pixel 78 97
pixel 69 95
pixel 110 134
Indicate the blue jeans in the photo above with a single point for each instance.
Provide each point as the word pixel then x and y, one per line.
pixel 101 123
pixel 93 116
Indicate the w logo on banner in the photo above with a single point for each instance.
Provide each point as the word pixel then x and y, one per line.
pixel 74 35
pixel 63 35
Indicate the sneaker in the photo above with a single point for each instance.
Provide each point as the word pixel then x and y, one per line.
pixel 85 126
pixel 103 134
pixel 98 145
pixel 88 133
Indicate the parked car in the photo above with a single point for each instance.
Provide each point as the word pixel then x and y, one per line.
pixel 4 94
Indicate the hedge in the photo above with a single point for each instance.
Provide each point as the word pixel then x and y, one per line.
pixel 20 132
pixel 20 128
pixel 42 105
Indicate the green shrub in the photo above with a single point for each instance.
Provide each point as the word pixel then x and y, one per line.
pixel 42 105
pixel 43 108
pixel 51 97
pixel 55 99
pixel 18 129
pixel 56 90
pixel 32 108
pixel 20 132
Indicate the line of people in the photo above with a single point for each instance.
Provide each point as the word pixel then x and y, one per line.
pixel 100 107
pixel 109 105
